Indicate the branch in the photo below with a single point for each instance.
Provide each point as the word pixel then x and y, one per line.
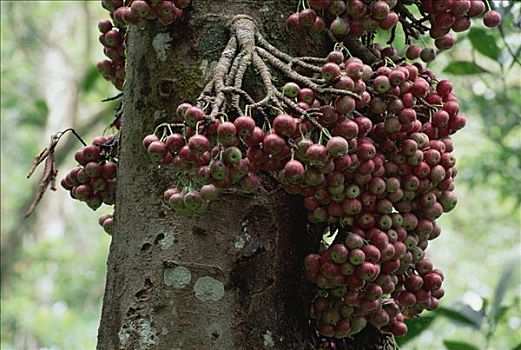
pixel 305 81
pixel 222 68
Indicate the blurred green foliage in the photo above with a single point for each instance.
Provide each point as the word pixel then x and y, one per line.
pixel 53 289
pixel 51 295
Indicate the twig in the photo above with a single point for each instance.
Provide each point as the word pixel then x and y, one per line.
pixel 48 177
pixel 284 56
pixel 265 75
pixel 244 62
pixel 509 49
pixel 108 99
pixel 222 68
pixel 275 62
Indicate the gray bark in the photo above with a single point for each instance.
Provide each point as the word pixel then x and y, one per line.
pixel 231 278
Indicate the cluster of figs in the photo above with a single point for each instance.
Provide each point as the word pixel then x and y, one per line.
pixel 93 180
pixel 356 18
pixel 376 162
pixel 122 15
pixel 371 157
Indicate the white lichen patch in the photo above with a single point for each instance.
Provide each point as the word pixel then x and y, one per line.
pixel 161 44
pixel 243 237
pixel 140 327
pixel 123 336
pixel 204 67
pixel 167 241
pixel 268 340
pixel 147 334
pixel 240 242
pixel 178 277
pixel 208 288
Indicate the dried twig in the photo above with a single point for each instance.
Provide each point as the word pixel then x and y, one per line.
pixel 48 177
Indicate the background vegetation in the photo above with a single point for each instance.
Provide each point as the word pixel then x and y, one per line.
pixel 53 264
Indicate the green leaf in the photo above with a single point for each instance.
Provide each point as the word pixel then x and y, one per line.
pixel 41 107
pixel 518 347
pixel 37 115
pixel 459 345
pixel 484 42
pixel 501 289
pixel 88 81
pixel 415 327
pixel 502 312
pixel 464 68
pixel 457 316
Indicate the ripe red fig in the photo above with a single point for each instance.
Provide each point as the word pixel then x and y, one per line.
pixel 424 266
pixel 356 257
pixel 108 225
pixel 316 154
pixel 176 201
pixel 113 38
pixel 140 8
pixel 198 144
pixel 294 171
pixel 273 143
pixel 398 329
pixel 149 139
pixel 381 84
pixel 306 95
pixel 284 125
pixel 218 170
pixel 413 283
pixel 293 22
pixel 432 281
pixel 244 126
pixel 307 18
pixel 226 132
pixel 83 192
pixel 104 25
pixel 372 252
pixel 256 137
pixel 330 71
pixel 445 42
pixel 312 262
pixel 174 143
pixel 492 19
pixel 91 153
pixel 413 52
pixel 193 200
pixel 338 253
pixel 476 8
pixel 428 54
pixel 337 146
pixel 182 3
pixel 157 151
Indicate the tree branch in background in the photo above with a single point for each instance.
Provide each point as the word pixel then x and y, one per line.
pixel 514 55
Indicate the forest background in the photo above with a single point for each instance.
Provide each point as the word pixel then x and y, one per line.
pixel 54 263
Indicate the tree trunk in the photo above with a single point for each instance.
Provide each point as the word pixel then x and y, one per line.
pixel 228 279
